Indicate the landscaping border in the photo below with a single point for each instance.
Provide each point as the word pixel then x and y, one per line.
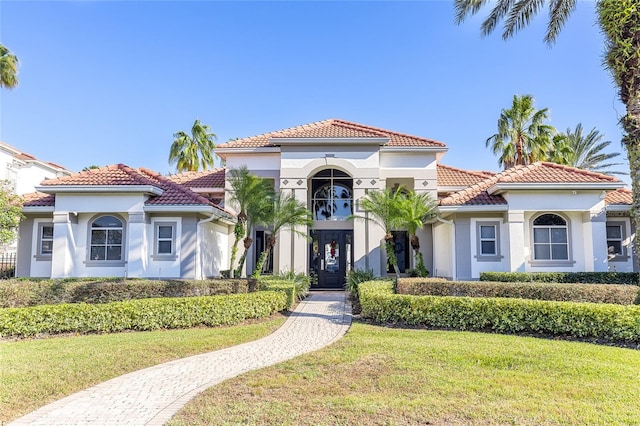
pixel 599 322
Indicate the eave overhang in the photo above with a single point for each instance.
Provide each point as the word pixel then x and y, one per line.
pixel 190 208
pixel 504 187
pixel 328 141
pixel 618 208
pixel 474 208
pixel 38 209
pixel 222 152
pixel 405 149
pixel 88 189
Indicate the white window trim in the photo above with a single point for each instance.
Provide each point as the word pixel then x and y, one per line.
pixel 623 237
pixel 106 263
pixel 174 243
pixel 552 262
pixel 39 256
pixel 480 257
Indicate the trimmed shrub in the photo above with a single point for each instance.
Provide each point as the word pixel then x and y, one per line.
pixel 594 293
pixel 296 289
pixel 603 322
pixel 357 276
pixel 632 278
pixel 21 293
pixel 145 314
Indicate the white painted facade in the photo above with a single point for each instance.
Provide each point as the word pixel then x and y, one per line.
pixel 467 239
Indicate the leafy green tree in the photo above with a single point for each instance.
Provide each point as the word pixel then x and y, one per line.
pixel 252 197
pixel 384 209
pixel 620 24
pixel 10 212
pixel 522 137
pixel 415 210
pixel 287 212
pixel 585 151
pixel 8 68
pixel 189 152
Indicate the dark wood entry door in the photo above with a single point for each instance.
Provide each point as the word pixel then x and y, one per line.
pixel 331 257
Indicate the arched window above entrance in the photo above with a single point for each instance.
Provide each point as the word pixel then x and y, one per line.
pixel 331 195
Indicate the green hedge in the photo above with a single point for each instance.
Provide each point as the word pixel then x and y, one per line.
pixel 604 322
pixel 145 314
pixel 632 278
pixel 21 293
pixel 296 289
pixel 594 293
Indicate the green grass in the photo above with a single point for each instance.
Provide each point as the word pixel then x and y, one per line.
pixel 383 376
pixel 36 372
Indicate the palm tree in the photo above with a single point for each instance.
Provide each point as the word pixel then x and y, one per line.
pixel 189 152
pixel 252 197
pixel 522 136
pixel 585 151
pixel 619 21
pixel 287 212
pixel 8 68
pixel 517 14
pixel 415 210
pixel 383 208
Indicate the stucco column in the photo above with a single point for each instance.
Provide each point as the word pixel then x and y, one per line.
pixel 284 251
pixel 62 259
pixel 516 241
pixel 137 255
pixel 301 242
pixel 595 241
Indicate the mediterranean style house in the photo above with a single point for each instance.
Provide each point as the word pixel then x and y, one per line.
pixel 119 221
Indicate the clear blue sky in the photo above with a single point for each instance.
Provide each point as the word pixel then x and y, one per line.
pixel 110 82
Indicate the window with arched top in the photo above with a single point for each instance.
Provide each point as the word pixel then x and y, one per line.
pixel 550 238
pixel 331 195
pixel 106 239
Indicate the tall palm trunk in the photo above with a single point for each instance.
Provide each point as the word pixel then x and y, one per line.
pixel 415 245
pixel 631 124
pixel 247 245
pixel 271 242
pixel 620 20
pixel 238 232
pixel 391 254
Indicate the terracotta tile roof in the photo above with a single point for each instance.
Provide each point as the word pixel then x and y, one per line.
pixel 544 172
pixel 122 175
pixel 621 196
pixel 540 172
pixel 207 179
pixel 332 128
pixel 452 176
pixel 38 199
pixel 117 174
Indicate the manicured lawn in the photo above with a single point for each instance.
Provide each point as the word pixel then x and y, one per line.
pixel 36 372
pixel 384 376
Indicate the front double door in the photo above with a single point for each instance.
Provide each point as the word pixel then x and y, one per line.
pixel 331 257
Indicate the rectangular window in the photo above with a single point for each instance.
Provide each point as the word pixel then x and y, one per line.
pixel 488 241
pixel 45 240
pixel 165 240
pixel 615 241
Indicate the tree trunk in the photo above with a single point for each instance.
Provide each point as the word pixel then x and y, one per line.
pixel 247 245
pixel 238 232
pixel 260 264
pixel 391 254
pixel 422 270
pixel 631 124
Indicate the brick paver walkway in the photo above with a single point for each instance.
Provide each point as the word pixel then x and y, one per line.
pixel 153 395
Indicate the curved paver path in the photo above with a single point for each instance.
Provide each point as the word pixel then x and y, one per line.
pixel 153 395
